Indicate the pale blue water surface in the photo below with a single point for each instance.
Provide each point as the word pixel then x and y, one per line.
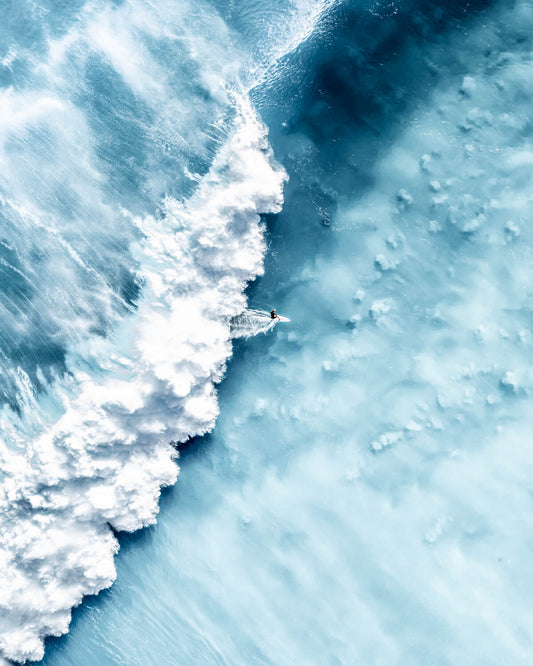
pixel 365 495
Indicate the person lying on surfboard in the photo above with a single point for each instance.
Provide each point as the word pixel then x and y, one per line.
pixel 273 315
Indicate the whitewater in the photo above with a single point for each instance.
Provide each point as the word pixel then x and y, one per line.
pixel 134 173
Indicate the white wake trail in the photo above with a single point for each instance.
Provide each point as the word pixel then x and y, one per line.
pixel 250 323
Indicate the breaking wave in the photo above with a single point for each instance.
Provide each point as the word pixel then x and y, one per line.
pixel 103 462
pixel 134 174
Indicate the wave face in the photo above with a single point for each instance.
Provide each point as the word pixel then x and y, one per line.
pixel 133 175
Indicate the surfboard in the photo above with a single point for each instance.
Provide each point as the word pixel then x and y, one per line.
pixel 282 318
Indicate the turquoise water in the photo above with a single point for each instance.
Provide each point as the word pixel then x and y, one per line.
pixel 364 496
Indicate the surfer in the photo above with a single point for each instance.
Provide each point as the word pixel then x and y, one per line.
pixel 273 315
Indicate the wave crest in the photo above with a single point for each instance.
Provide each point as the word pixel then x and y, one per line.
pixel 102 464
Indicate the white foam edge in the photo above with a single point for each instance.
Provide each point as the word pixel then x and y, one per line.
pixel 103 463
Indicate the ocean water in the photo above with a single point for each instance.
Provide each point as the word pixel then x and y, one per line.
pixel 364 496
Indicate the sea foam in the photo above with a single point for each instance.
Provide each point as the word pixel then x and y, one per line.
pixel 134 174
pixel 101 466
